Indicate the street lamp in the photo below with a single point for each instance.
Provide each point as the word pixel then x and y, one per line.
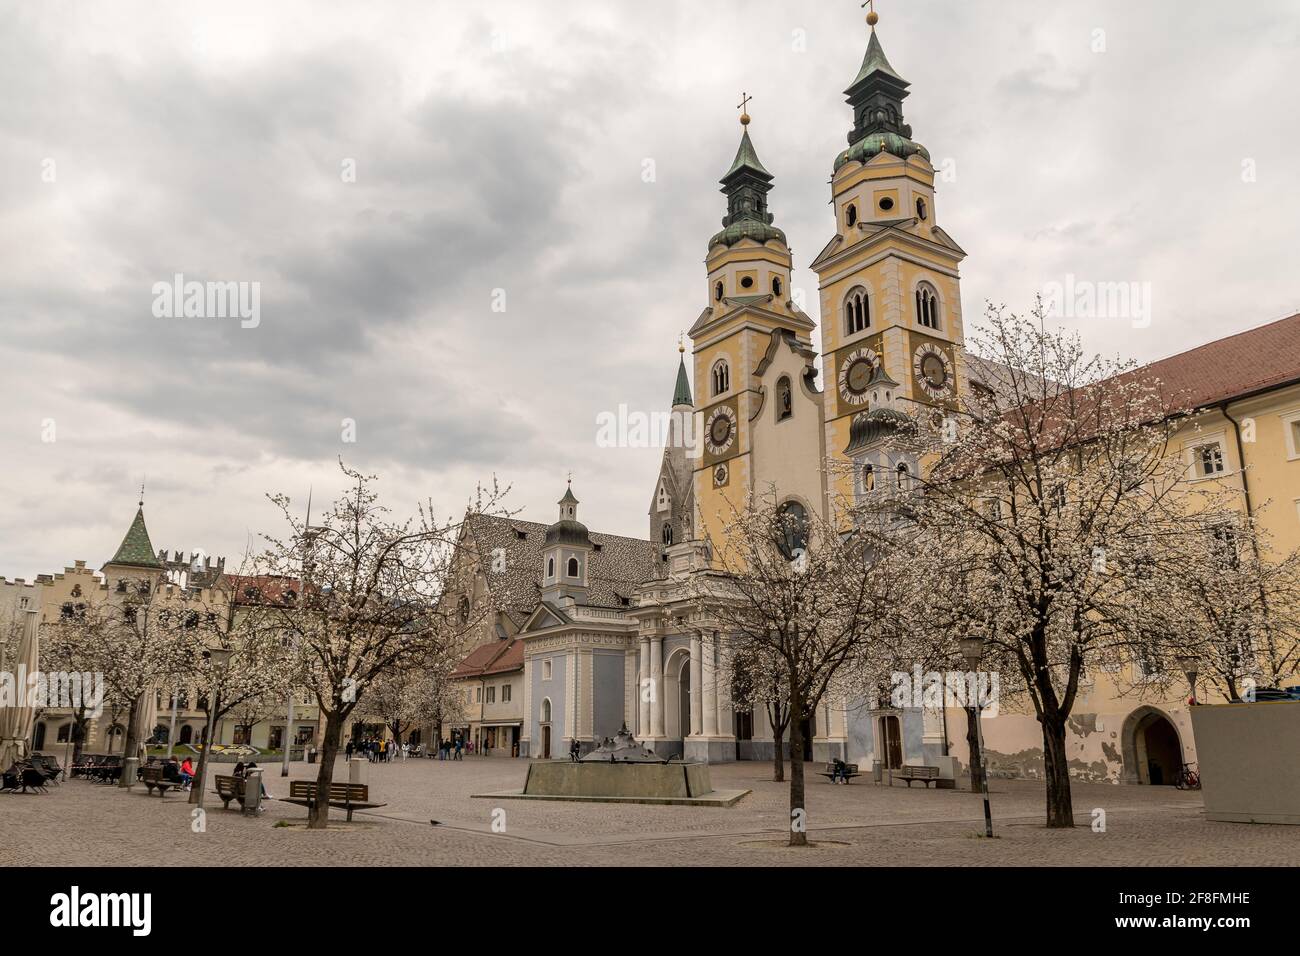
pixel 1191 668
pixel 219 656
pixel 972 649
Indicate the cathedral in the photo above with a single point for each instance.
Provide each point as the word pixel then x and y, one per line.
pixel 614 636
pixel 609 631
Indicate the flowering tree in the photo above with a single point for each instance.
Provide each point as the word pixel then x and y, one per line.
pixel 798 604
pixel 372 601
pixel 137 644
pixel 1233 611
pixel 413 697
pixel 1062 497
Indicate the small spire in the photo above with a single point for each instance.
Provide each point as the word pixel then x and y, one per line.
pixel 682 390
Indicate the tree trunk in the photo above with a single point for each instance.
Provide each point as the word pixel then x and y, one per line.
pixel 129 746
pixel 200 772
pixel 1060 809
pixel 973 748
pixel 798 812
pixel 778 738
pixel 318 816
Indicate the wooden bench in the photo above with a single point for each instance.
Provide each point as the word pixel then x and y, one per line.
pixel 229 788
pixel 850 771
pixel 925 775
pixel 343 796
pixel 153 777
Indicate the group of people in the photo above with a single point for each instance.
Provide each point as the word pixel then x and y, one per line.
pixel 381 751
pixel 181 772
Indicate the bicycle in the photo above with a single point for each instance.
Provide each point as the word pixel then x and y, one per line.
pixel 1188 779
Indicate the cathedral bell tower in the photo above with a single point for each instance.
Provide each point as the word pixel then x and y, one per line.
pixel 566 553
pixel 748 273
pixel 888 279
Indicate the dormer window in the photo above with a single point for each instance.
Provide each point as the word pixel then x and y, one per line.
pixel 857 311
pixel 721 376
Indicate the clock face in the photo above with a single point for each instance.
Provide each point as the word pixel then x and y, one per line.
pixel 933 372
pixel 720 430
pixel 720 476
pixel 855 373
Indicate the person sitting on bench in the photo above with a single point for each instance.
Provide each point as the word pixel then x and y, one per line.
pixel 839 771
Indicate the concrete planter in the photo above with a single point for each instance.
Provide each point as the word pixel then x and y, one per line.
pixel 1249 761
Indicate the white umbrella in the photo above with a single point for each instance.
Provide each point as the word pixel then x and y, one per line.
pixel 16 720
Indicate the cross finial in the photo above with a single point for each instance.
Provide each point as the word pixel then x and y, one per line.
pixel 872 17
pixel 681 342
pixel 744 108
pixel 141 492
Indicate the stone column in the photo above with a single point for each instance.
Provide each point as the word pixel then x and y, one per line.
pixel 710 685
pixel 642 698
pixel 697 681
pixel 726 711
pixel 657 681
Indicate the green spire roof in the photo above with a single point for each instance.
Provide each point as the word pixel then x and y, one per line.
pixel 746 186
pixel 876 95
pixel 875 62
pixel 136 550
pixel 682 393
pixel 746 158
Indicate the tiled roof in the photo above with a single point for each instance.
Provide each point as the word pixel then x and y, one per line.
pixel 253 589
pixel 494 657
pixel 1234 367
pixel 136 550
pixel 617 567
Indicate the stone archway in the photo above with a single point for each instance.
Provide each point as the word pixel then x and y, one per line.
pixel 677 695
pixel 1152 748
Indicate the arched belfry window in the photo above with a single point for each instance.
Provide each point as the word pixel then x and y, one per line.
pixel 721 376
pixel 717 292
pixel 868 477
pixel 922 212
pixel 776 285
pixel 851 215
pixel 791 529
pixel 573 567
pixel 927 306
pixel 784 399
pixel 667 534
pixel 904 476
pixel 857 311
pixel 545 714
pixel 550 567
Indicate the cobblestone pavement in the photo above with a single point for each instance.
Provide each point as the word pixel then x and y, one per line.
pixel 86 824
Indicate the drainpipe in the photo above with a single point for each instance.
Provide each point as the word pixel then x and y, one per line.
pixel 1245 488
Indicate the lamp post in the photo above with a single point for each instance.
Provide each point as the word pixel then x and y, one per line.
pixel 219 656
pixel 1191 669
pixel 972 649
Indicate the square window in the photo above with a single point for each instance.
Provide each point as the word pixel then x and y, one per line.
pixel 546 670
pixel 1208 459
pixel 505 693
pixel 1291 433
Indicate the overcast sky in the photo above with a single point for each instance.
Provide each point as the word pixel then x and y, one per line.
pixel 503 146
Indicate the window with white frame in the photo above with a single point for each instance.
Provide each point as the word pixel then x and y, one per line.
pixel 492 695
pixel 1291 429
pixel 546 670
pixel 1207 459
pixel 505 693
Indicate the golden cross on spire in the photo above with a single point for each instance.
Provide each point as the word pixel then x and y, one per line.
pixel 744 108
pixel 872 17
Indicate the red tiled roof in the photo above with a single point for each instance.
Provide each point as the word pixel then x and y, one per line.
pixel 260 588
pixel 494 657
pixel 1233 367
